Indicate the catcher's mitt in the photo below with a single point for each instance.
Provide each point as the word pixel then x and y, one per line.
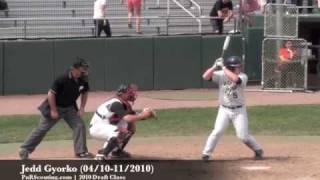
pixel 151 113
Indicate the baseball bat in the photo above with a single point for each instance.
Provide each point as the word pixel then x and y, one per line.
pixel 225 45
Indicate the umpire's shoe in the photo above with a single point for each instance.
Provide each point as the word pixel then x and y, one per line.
pixel 24 154
pixel 258 154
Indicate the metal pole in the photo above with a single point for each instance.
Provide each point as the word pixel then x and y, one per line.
pixel 25 28
pixel 200 26
pixel 306 69
pixel 168 14
pixel 167 21
pixel 168 7
pixel 279 14
pixel 279 22
pixel 241 26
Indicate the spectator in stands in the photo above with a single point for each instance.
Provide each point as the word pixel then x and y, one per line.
pixel 262 4
pixel 134 8
pixel 3 5
pixel 222 11
pixel 251 7
pixel 300 3
pixel 99 18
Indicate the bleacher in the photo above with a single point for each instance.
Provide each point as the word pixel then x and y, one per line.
pixel 73 18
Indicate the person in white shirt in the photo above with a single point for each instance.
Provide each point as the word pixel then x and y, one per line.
pixel 99 18
pixel 232 108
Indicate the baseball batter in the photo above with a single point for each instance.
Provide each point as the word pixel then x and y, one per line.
pixel 231 81
pixel 114 122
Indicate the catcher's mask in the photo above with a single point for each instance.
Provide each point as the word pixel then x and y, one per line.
pixel 130 91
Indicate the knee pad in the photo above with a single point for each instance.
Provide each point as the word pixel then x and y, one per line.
pixel 113 141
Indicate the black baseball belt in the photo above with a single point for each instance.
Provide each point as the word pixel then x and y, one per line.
pixel 232 107
pixel 104 117
pixel 101 116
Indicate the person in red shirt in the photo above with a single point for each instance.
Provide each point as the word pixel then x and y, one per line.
pixel 286 54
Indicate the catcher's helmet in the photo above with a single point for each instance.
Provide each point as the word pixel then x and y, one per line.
pixel 123 88
pixel 232 61
pixel 129 89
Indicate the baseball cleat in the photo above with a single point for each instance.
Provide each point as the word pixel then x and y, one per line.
pixel 23 154
pixel 120 154
pixel 85 155
pixel 100 157
pixel 205 157
pixel 258 154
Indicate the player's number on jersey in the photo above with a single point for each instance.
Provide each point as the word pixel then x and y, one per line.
pixel 235 95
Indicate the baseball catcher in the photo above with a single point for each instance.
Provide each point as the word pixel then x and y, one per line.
pixel 114 122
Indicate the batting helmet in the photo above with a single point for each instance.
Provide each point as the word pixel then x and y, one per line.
pixel 232 61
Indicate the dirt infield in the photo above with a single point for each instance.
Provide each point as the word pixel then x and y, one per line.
pixel 287 158
pixel 27 104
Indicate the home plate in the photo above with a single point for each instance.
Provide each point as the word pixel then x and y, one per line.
pixel 256 168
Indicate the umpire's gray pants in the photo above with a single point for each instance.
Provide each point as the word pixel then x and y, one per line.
pixel 70 116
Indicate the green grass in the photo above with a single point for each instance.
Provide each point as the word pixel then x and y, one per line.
pixel 263 120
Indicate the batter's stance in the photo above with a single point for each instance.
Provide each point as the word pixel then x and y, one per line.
pixel 114 122
pixel 227 74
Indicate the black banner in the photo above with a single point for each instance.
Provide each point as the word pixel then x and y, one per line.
pixel 108 170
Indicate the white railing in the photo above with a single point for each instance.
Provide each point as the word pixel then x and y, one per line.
pixel 71 27
pixel 31 28
pixel 193 4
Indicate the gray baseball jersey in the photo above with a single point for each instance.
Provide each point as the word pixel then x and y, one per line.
pixel 230 94
pixel 232 109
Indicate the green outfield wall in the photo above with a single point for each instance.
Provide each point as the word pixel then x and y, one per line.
pixel 28 67
pixel 66 51
pixel 253 50
pixel 129 60
pixel 169 62
pixel 1 68
pixel 177 62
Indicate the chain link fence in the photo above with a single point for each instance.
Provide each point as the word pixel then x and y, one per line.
pixel 281 20
pixel 289 74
